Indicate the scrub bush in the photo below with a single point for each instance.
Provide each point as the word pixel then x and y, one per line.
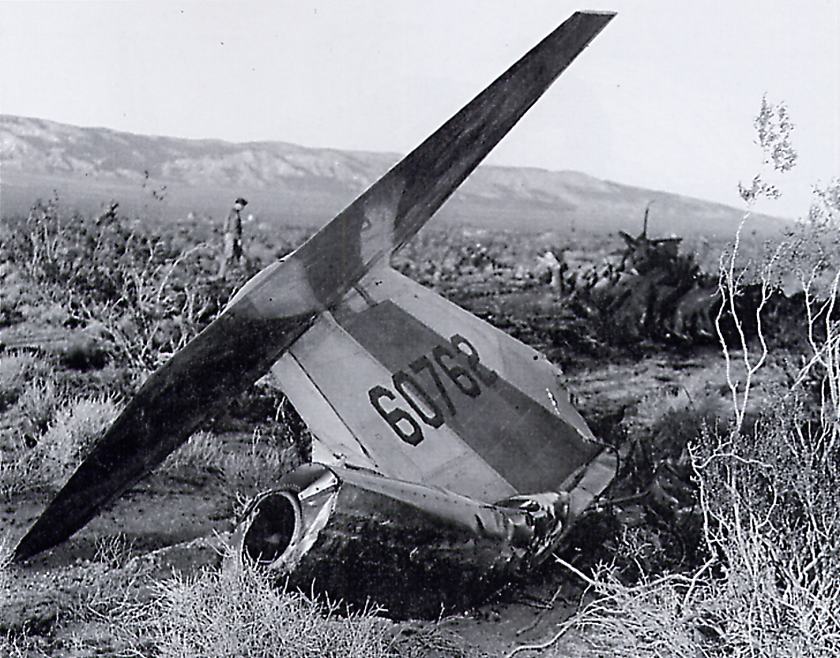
pixel 241 612
pixel 70 436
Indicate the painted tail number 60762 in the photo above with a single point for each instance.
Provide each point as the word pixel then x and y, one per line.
pixel 430 400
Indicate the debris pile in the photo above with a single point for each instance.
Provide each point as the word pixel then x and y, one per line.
pixel 654 292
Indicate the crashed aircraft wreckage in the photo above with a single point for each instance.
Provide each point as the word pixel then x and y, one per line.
pixel 447 457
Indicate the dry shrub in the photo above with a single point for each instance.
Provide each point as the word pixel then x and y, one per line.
pixel 145 294
pixel 202 452
pixel 771 537
pixel 70 436
pixel 112 606
pixel 15 370
pixel 430 640
pixel 40 608
pixel 15 647
pixel 240 612
pixel 6 552
pixel 767 494
pixel 770 534
pixel 39 397
pixel 18 474
pixel 259 467
pixel 10 645
pixel 672 615
pixel 38 403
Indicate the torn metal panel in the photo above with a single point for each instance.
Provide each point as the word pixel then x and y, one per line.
pixel 362 536
pixel 456 402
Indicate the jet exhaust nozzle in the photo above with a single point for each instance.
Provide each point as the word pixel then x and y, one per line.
pixel 410 548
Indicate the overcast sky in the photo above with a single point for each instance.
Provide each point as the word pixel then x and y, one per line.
pixel 663 98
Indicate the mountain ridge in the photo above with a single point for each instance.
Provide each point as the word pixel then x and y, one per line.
pixel 292 184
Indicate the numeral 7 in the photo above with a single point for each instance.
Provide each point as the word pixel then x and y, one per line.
pixel 423 363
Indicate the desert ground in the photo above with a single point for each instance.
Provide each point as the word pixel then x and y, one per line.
pixel 716 538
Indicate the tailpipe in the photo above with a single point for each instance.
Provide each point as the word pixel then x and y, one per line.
pixel 413 549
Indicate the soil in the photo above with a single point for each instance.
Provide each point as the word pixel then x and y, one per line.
pixel 166 515
pixel 621 394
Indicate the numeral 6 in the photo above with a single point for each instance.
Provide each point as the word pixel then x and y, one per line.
pixel 396 416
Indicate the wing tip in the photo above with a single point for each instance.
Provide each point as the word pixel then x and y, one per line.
pixel 22 551
pixel 36 540
pixel 597 19
pixel 607 13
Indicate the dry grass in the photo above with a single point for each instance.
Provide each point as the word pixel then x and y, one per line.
pixel 32 397
pixel 38 404
pixel 768 499
pixel 770 538
pixel 41 611
pixel 768 587
pixel 70 436
pixel 202 452
pixel 246 473
pixel 239 612
pixel 430 640
pixel 18 474
pixel 767 494
pixel 15 370
pixel 112 606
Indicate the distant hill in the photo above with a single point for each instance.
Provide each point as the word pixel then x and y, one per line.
pixel 288 184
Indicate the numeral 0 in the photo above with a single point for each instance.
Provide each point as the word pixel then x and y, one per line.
pixel 409 388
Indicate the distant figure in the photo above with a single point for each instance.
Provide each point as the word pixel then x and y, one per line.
pixel 108 215
pixel 233 237
pixel 557 267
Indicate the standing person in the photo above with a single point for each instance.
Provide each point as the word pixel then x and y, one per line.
pixel 109 215
pixel 233 237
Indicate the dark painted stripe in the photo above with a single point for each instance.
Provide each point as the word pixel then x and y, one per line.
pixel 528 445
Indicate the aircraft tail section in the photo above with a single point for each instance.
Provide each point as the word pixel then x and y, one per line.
pixel 401 381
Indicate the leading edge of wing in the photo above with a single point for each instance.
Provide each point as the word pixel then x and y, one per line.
pixel 394 208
